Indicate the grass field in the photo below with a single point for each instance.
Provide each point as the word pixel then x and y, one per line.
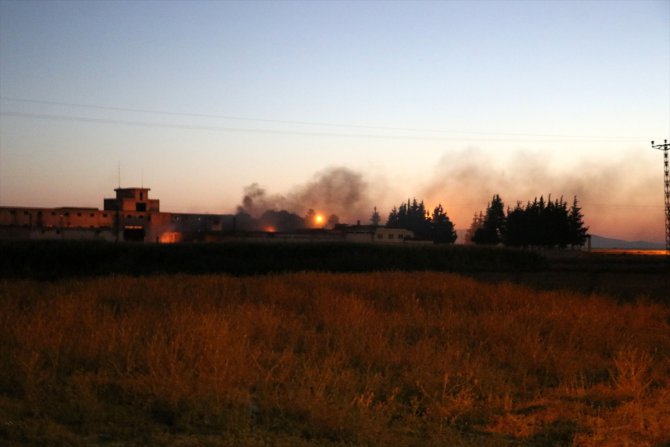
pixel 313 359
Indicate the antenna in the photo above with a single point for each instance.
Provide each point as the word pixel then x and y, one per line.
pixel 665 147
pixel 119 175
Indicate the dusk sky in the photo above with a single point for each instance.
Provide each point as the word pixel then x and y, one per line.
pixel 449 102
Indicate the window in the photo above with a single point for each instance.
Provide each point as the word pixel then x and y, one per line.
pixel 78 214
pixel 92 215
pixel 104 215
pixel 380 236
pixel 391 236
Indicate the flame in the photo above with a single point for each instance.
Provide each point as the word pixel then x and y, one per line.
pixel 318 219
pixel 170 237
pixel 269 229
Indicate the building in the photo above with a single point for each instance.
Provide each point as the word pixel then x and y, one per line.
pixel 130 216
pixel 133 216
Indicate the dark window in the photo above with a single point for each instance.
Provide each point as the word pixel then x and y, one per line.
pixel 39 213
pixel 53 213
pixel 380 236
pixel 78 214
pixel 12 212
pixel 92 215
pixel 140 207
pixel 133 234
pixel 25 213
pixel 390 236
pixel 104 215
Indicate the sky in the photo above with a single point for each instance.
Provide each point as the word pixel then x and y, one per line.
pixel 449 102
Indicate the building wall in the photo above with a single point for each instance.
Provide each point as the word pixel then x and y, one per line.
pixel 121 220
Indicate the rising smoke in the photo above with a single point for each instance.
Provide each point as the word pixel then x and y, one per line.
pixel 335 190
pixel 619 197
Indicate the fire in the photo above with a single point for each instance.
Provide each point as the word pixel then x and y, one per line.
pixel 269 229
pixel 170 237
pixel 318 219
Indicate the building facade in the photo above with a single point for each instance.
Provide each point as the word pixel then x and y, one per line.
pixel 130 216
pixel 133 216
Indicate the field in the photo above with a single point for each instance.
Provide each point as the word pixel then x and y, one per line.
pixel 385 358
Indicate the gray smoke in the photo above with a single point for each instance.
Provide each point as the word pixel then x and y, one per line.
pixel 619 197
pixel 335 190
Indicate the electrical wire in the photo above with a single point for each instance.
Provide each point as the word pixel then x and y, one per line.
pixel 523 136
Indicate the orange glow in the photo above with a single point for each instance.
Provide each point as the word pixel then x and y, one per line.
pixel 269 229
pixel 318 219
pixel 170 237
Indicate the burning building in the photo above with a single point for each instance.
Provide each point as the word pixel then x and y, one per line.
pixel 130 216
pixel 133 216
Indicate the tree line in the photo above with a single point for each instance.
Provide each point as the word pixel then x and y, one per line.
pixel 539 223
pixel 414 216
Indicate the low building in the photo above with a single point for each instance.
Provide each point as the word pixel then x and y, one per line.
pixel 130 216
pixel 133 216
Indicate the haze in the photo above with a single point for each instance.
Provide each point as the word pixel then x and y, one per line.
pixel 449 102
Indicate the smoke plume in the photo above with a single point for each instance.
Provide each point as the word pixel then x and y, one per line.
pixel 619 198
pixel 335 190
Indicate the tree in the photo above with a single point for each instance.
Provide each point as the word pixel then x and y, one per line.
pixel 493 228
pixel 577 233
pixel 375 219
pixel 442 227
pixel 516 234
pixel 412 215
pixel 477 223
pixel 332 221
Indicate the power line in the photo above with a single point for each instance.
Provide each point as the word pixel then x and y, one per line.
pixel 552 137
pixel 84 119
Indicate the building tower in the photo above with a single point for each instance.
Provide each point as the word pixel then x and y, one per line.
pixel 666 179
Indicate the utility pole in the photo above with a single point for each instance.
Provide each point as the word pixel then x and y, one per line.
pixel 666 179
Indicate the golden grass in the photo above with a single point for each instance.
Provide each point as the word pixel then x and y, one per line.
pixel 328 359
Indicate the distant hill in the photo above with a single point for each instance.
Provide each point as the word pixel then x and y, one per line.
pixel 601 242
pixel 606 242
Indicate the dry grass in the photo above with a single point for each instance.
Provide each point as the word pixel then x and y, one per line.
pixel 328 359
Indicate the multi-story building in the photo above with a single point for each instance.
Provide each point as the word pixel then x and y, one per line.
pixel 130 216
pixel 133 216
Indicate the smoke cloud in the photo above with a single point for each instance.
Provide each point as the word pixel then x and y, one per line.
pixel 335 190
pixel 619 198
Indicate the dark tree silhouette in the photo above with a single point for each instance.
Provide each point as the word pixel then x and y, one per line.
pixel 493 227
pixel 413 216
pixel 281 221
pixel 477 223
pixel 544 224
pixel 442 227
pixel 577 232
pixel 375 219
